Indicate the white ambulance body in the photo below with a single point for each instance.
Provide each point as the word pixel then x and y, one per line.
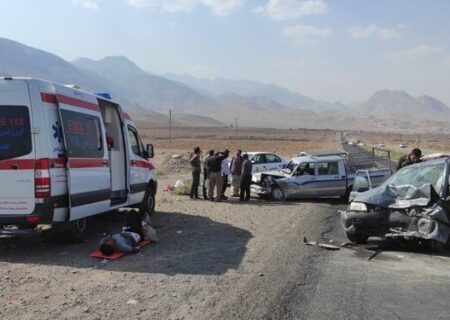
pixel 65 155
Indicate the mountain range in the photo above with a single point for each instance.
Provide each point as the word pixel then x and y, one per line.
pixel 218 102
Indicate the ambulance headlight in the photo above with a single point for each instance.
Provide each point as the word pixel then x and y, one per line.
pixel 358 206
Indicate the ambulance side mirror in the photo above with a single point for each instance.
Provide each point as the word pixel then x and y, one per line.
pixel 149 152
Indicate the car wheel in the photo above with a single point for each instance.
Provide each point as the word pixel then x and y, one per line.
pixel 277 194
pixel 357 238
pixel 148 204
pixel 77 230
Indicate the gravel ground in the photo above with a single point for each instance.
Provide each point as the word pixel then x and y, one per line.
pixel 224 261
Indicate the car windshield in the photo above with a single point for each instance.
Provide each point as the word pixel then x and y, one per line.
pixel 418 175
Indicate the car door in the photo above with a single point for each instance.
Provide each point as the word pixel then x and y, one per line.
pixel 329 182
pixel 88 173
pixel 302 182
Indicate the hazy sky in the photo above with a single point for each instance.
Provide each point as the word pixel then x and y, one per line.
pixel 328 49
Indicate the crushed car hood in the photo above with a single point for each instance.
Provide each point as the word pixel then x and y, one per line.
pixel 273 173
pixel 399 197
pixel 430 215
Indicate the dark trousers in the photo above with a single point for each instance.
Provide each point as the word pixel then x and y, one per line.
pixel 205 176
pixel 195 183
pixel 225 184
pixel 134 223
pixel 245 187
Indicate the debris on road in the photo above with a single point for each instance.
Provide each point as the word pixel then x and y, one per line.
pixel 322 245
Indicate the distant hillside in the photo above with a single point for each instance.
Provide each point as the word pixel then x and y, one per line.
pixel 246 88
pixel 388 104
pixel 147 90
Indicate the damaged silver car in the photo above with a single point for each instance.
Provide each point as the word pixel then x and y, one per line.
pixel 414 203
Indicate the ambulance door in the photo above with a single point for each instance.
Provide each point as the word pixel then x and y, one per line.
pixel 139 166
pixel 88 173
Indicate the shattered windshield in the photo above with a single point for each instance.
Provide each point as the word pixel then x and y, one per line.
pixel 418 175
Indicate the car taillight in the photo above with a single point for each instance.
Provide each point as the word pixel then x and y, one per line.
pixel 42 178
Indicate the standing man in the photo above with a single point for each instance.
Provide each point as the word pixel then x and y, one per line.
pixel 236 170
pixel 206 172
pixel 195 164
pixel 225 174
pixel 215 176
pixel 411 158
pixel 246 179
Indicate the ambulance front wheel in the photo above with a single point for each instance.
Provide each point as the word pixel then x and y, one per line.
pixel 148 205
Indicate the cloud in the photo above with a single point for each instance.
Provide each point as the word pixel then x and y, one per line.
pixel 447 61
pixel 291 9
pixel 417 53
pixel 361 32
pixel 87 4
pixel 218 7
pixel 308 35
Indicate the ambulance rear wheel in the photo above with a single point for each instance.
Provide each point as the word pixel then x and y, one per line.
pixel 148 205
pixel 77 230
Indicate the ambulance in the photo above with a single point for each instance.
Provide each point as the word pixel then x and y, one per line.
pixel 66 155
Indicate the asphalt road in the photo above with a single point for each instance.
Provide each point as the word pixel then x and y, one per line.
pixel 375 281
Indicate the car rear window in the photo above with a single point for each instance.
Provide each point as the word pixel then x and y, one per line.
pixel 15 132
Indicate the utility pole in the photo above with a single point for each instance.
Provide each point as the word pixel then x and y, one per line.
pixel 418 141
pixel 170 127
pixel 235 127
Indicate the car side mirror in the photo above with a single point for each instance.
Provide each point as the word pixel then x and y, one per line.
pixel 362 189
pixel 149 152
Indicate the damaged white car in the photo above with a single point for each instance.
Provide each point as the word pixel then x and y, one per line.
pixel 412 204
pixel 311 177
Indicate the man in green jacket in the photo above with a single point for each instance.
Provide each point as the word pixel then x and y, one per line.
pixel 411 158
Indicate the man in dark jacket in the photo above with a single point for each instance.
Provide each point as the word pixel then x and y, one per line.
pixel 215 175
pixel 246 179
pixel 206 172
pixel 196 168
pixel 411 158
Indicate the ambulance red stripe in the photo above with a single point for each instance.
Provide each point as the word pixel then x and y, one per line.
pixel 19 164
pixel 55 98
pixel 143 164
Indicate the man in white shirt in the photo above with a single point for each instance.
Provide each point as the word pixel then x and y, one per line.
pixel 225 173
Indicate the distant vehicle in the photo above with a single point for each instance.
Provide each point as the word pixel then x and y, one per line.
pixel 381 145
pixel 266 161
pixel 361 144
pixel 411 204
pixel 403 145
pixel 66 155
pixel 351 143
pixel 310 177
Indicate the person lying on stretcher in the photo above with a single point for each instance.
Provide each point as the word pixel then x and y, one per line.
pixel 126 241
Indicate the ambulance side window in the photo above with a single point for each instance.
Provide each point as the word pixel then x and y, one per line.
pixel 83 134
pixel 135 142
